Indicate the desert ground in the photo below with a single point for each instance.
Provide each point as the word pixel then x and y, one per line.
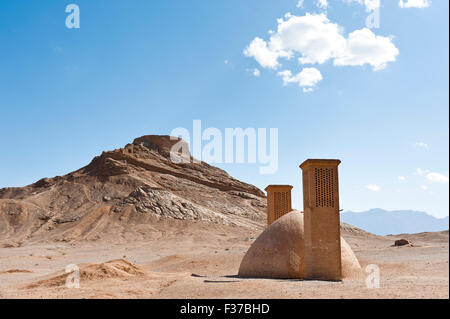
pixel 138 225
pixel 188 260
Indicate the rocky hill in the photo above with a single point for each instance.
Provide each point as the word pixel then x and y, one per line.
pixel 127 191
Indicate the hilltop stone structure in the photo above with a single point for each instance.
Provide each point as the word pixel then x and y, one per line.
pixel 303 245
pixel 278 201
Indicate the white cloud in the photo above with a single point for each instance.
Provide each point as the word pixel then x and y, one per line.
pixel 300 4
pixel 414 3
pixel 420 171
pixel 424 187
pixel 364 47
pixel 372 4
pixel 432 176
pixel 322 4
pixel 373 187
pixel 265 56
pixel 312 36
pixel 369 4
pixel 402 178
pixel 316 40
pixel 226 62
pixel 256 72
pixel 437 178
pixel 307 78
pixel 420 145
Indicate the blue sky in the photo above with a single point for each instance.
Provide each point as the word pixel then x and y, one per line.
pixel 146 67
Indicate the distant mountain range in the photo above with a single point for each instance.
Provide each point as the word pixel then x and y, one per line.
pixel 382 222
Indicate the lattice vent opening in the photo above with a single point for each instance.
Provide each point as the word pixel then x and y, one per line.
pixel 324 179
pixel 281 204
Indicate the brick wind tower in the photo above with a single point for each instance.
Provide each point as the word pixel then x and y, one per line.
pixel 278 202
pixel 321 219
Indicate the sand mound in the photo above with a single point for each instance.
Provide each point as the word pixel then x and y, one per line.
pixel 279 252
pixel 117 268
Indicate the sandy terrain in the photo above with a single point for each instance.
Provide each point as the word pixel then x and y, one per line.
pixel 200 261
pixel 138 225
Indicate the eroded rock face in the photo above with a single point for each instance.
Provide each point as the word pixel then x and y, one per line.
pixel 111 167
pixel 164 204
pixel 279 252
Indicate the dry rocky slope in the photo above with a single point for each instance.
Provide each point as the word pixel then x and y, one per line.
pixel 133 193
pixel 128 190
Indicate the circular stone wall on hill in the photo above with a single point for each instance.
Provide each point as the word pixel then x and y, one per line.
pixel 279 252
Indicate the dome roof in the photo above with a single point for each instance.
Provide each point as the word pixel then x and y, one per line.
pixel 279 252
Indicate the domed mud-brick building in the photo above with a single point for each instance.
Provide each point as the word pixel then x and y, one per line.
pixel 279 252
pixel 303 245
